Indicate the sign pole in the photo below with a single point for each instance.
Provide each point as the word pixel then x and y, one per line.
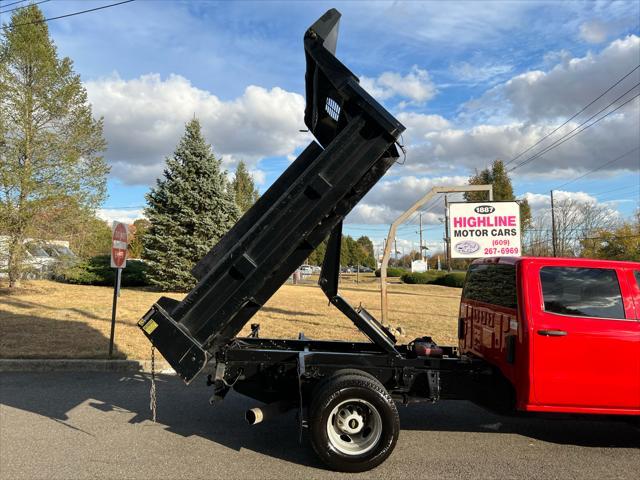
pixel 446 233
pixel 119 244
pixel 116 294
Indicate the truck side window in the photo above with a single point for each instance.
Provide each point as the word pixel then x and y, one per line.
pixel 491 283
pixel 583 292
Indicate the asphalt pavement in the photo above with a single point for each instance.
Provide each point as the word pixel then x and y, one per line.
pixel 97 425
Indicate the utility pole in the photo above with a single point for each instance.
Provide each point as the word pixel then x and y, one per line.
pixel 446 233
pixel 421 255
pixel 553 228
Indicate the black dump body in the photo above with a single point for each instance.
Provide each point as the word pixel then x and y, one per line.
pixel 355 146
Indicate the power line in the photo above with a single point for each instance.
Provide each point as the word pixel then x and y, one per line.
pixel 425 209
pixel 9 4
pixel 71 14
pixel 24 6
pixel 567 137
pixel 573 116
pixel 613 235
pixel 613 199
pixel 599 167
pixel 629 187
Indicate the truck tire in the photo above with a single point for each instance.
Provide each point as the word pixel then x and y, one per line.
pixel 319 387
pixel 353 422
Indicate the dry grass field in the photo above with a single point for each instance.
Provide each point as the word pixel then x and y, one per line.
pixel 53 320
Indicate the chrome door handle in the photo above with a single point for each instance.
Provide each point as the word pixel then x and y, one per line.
pixel 552 333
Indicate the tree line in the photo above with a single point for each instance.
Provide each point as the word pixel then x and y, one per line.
pixel 352 252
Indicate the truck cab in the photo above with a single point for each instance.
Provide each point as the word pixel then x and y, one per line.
pixel 563 332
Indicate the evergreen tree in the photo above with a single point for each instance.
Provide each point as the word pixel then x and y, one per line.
pixel 502 190
pixel 244 188
pixel 50 144
pixel 189 209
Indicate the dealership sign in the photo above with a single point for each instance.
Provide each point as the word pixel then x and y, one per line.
pixel 484 229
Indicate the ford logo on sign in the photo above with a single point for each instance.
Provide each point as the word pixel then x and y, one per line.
pixel 484 209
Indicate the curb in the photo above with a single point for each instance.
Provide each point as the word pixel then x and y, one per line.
pixel 82 365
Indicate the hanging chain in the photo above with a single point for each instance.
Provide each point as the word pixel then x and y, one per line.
pixel 153 406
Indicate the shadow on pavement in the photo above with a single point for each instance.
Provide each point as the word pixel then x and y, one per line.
pixel 185 411
pixel 582 431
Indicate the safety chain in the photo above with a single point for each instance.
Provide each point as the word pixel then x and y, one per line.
pixel 153 406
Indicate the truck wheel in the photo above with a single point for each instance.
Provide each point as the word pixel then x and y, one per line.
pixel 354 423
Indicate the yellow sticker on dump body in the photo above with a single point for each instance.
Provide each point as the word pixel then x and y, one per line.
pixel 150 327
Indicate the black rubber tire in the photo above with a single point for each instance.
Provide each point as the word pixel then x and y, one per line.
pixel 332 392
pixel 319 387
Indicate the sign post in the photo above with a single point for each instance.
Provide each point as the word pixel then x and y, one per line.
pixel 119 244
pixel 481 230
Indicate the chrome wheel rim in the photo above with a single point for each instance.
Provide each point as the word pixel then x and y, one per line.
pixel 354 427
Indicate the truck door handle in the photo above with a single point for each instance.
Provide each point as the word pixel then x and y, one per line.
pixel 552 333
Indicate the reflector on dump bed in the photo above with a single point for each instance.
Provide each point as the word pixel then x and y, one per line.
pixel 356 145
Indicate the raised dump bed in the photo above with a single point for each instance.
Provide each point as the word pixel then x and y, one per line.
pixel 354 147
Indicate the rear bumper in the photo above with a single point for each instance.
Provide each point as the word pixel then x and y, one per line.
pixel 184 354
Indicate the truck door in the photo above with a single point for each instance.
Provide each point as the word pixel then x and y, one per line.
pixel 585 340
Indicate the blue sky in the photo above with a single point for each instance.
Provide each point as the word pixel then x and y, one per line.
pixel 472 81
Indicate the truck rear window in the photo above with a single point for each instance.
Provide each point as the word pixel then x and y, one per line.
pixel 583 292
pixel 492 283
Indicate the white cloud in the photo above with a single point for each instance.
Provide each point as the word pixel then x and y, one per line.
pixel 566 88
pixel 531 105
pixel 593 31
pixel 477 147
pixel 120 215
pixel 418 125
pixel 259 176
pixel 145 117
pixel 538 201
pixel 599 30
pixel 390 198
pixel 541 203
pixel 477 73
pixel 416 86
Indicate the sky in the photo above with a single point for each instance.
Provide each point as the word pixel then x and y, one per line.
pixel 471 81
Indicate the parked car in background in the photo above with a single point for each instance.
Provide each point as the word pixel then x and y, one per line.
pixel 306 269
pixel 41 258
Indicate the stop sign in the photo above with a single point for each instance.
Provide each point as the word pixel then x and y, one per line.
pixel 119 245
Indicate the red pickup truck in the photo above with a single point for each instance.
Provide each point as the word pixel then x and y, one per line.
pixel 562 333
